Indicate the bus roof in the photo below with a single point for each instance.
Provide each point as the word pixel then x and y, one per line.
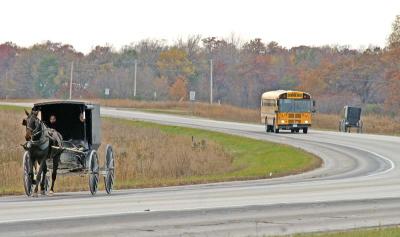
pixel 276 94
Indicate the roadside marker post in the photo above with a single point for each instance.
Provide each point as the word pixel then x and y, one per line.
pixel 192 98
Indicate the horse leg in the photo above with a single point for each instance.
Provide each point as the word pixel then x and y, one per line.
pixel 56 161
pixel 39 177
pixel 43 180
pixel 31 174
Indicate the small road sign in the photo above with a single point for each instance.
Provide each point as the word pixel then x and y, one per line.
pixel 192 95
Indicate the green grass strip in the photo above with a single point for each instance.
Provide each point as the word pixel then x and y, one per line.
pixel 252 158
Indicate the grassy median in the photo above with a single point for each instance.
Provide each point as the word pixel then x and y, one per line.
pixel 380 232
pixel 251 158
pixel 152 155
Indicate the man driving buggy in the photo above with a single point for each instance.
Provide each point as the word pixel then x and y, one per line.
pixel 53 132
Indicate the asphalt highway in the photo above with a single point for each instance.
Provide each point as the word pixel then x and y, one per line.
pixel 357 186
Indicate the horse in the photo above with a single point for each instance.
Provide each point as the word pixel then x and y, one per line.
pixel 39 142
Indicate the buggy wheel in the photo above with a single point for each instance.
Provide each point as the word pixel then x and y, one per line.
pixel 109 167
pixel 28 174
pixel 93 169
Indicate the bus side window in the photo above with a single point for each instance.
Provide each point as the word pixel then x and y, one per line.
pixel 268 103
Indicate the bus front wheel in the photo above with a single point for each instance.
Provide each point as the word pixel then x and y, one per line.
pixel 305 130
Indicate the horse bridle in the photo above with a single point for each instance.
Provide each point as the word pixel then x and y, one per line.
pixel 35 131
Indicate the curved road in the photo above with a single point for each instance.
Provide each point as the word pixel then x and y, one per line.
pixel 358 186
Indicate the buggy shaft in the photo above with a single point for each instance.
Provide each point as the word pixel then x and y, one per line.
pixel 68 149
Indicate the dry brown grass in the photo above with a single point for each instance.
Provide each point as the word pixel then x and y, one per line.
pixel 137 162
pixel 12 134
pixel 372 123
pixel 215 111
pixel 378 124
pixel 146 154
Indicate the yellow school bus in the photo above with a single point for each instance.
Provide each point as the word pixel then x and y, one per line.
pixel 286 110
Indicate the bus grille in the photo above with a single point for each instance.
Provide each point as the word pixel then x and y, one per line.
pixel 294 121
pixel 292 116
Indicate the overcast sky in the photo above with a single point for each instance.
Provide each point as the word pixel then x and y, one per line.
pixel 87 23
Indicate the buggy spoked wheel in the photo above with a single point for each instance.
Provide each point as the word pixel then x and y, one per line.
pixel 109 167
pixel 28 174
pixel 93 172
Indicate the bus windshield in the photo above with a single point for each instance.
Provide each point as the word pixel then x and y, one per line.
pixel 294 106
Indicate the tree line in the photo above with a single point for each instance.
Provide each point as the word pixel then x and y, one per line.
pixel 242 71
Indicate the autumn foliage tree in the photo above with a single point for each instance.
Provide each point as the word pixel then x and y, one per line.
pixel 392 69
pixel 392 104
pixel 45 79
pixel 242 71
pixel 394 37
pixel 174 63
pixel 178 90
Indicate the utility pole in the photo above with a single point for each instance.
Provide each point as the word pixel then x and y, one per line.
pixel 70 81
pixel 211 81
pixel 7 85
pixel 134 83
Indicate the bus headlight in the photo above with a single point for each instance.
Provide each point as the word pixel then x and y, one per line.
pixel 306 121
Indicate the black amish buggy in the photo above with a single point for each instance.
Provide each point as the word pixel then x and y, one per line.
pixel 351 119
pixel 80 126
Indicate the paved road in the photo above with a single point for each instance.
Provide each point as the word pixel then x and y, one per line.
pixel 358 186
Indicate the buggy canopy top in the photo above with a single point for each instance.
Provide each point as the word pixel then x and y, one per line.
pixel 75 120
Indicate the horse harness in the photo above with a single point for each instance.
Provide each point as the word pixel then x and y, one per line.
pixel 42 143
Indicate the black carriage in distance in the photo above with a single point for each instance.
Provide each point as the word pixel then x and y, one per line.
pixel 351 119
pixel 80 126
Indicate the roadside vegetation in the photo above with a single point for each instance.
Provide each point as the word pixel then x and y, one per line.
pixel 373 123
pixel 219 112
pixel 242 69
pixel 151 155
pixel 381 232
